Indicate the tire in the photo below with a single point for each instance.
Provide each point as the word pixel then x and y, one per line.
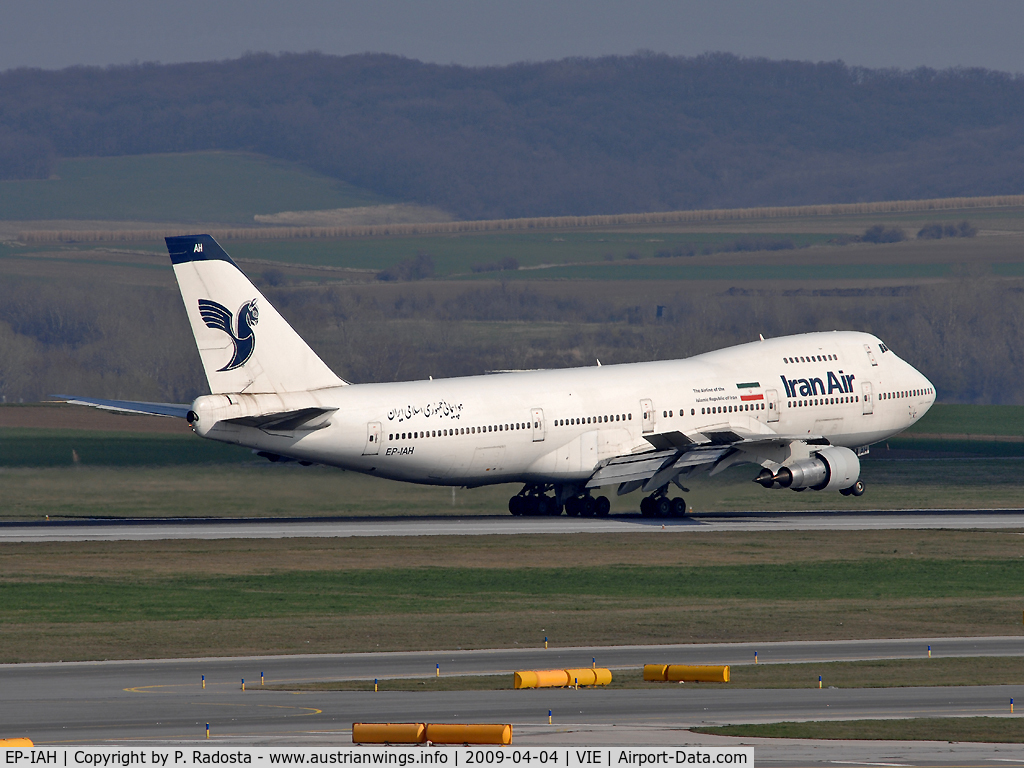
pixel 587 506
pixel 645 507
pixel 515 505
pixel 602 506
pixel 679 507
pixel 857 489
pixel 572 507
pixel 662 506
pixel 530 506
pixel 543 506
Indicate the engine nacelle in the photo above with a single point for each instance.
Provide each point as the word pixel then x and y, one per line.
pixel 831 469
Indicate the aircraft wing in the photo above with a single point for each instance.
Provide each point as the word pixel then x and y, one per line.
pixel 673 453
pixel 174 410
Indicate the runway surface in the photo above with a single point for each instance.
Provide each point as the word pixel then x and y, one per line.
pixel 149 530
pixel 163 701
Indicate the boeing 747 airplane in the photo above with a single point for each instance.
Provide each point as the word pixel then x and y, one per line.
pixel 801 408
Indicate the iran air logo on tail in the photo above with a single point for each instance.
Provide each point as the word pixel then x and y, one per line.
pixel 218 317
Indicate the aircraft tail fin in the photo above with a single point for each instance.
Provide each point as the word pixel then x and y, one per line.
pixel 245 344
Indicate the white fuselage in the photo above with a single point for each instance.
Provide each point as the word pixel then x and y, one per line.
pixel 556 425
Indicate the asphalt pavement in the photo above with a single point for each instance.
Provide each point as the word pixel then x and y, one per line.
pixel 155 529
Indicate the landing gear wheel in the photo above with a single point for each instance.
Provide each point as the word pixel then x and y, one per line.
pixel 587 506
pixel 572 507
pixel 662 506
pixel 515 505
pixel 646 507
pixel 857 489
pixel 679 507
pixel 602 506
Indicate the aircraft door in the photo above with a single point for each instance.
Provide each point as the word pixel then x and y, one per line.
pixel 871 355
pixel 537 414
pixel 372 439
pixel 866 398
pixel 647 416
pixel 772 396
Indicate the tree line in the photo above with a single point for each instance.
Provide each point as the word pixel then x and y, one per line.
pixel 572 137
pixel 118 341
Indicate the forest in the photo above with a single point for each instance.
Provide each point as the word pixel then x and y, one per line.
pixel 965 334
pixel 577 136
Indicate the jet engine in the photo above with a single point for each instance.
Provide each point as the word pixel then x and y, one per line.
pixel 831 469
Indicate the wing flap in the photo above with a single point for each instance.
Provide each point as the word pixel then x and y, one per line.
pixel 623 469
pixel 675 452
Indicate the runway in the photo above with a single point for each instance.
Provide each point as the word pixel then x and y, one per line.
pixel 505 525
pixel 163 701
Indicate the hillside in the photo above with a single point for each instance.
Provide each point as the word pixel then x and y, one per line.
pixel 578 136
pixel 231 188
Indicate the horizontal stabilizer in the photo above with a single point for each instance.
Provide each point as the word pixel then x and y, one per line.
pixel 175 410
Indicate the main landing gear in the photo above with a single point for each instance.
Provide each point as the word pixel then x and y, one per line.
pixel 587 506
pixel 533 505
pixel 533 501
pixel 660 505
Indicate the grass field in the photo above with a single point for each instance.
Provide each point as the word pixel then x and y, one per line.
pixel 891 673
pixel 66 448
pixel 971 420
pixel 720 251
pixel 256 488
pixel 134 474
pixel 436 591
pixel 193 598
pixel 226 187
pixel 458 254
pixel 245 486
pixel 948 729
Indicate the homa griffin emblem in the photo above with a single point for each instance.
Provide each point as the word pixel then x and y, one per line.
pixel 243 338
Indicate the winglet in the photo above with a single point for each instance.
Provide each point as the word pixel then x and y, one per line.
pixel 195 248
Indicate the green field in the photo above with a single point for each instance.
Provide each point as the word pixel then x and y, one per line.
pixel 224 187
pixel 889 673
pixel 437 591
pixel 971 420
pixel 948 729
pixel 68 448
pixel 191 598
pixel 616 272
pixel 457 254
pixel 123 474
